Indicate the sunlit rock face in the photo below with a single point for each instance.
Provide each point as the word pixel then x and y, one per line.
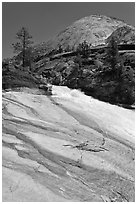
pixel 124 35
pixel 93 29
pixel 66 147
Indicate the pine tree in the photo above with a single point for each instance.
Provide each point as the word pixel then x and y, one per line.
pixel 112 56
pixel 83 49
pixel 23 45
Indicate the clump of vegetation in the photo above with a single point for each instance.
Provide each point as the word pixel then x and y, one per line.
pixel 19 78
pixel 84 49
pixel 114 82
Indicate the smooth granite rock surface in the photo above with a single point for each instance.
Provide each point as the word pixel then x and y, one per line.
pixel 66 147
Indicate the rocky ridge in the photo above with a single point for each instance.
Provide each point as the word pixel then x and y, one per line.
pixel 94 29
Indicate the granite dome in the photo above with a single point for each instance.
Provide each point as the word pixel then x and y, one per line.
pixel 94 29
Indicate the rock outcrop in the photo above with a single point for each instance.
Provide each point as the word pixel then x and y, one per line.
pixel 124 35
pixel 67 147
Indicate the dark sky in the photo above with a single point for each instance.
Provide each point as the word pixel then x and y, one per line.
pixel 46 19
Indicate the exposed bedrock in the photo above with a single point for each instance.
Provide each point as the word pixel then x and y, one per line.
pixel 66 147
